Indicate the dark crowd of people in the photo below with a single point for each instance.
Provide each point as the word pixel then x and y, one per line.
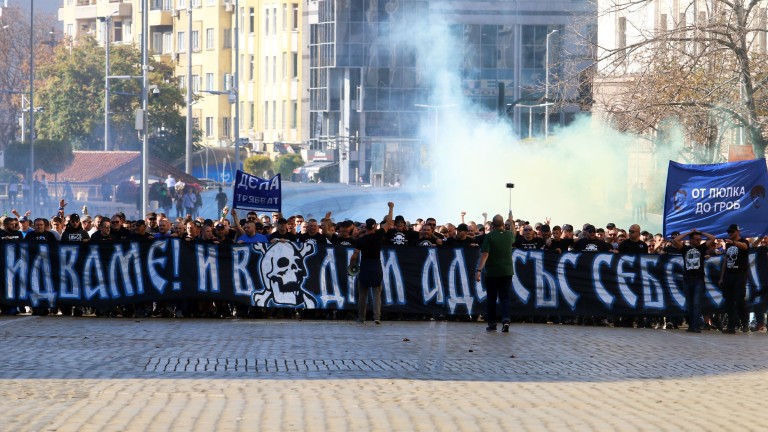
pixel 395 231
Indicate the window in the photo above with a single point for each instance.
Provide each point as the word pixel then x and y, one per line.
pixel 167 42
pixel 182 4
pixel 266 69
pixel 70 30
pixel 285 16
pixel 295 64
pixel 167 4
pixel 227 38
pixel 266 115
pixel 294 114
pixel 283 105
pixel 227 82
pixel 295 17
pixel 209 126
pixel 266 21
pixel 274 68
pixel 209 39
pixel 157 43
pixel 274 20
pixel 274 114
pixel 225 127
pixel 195 40
pixel 285 66
pixel 251 23
pixel 181 42
pixel 250 68
pixel 182 82
pixel 195 83
pixel 210 84
pixel 195 3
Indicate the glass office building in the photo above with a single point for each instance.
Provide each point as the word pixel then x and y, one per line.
pixel 366 78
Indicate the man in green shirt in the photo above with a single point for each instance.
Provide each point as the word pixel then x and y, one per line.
pixel 496 258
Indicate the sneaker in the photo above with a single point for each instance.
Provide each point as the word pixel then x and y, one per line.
pixel 505 328
pixel 490 328
pixel 745 329
pixel 760 328
pixel 377 322
pixel 729 331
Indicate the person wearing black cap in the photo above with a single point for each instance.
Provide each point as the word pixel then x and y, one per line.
pixel 590 242
pixel 462 238
pixel 74 232
pixel 368 249
pixel 733 280
pixel 282 233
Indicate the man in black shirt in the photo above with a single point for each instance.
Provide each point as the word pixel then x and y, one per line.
pixel 462 238
pixel 368 248
pixel 557 243
pixel 313 234
pixel 528 241
pixel 427 237
pixel 633 244
pixel 104 234
pixel 40 234
pixel 282 233
pixel 733 280
pixel 590 242
pixel 74 232
pixel 117 231
pixel 400 235
pixel 694 253
pixel 344 237
pixel 10 231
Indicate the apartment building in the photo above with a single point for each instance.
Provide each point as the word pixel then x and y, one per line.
pixel 268 36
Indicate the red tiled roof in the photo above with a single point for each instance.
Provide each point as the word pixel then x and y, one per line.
pixel 97 167
pixel 92 166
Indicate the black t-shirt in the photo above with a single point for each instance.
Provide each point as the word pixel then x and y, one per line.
pixel 347 241
pixel 369 246
pixel 316 239
pixel 97 237
pixel 633 247
pixel 75 235
pixel 288 236
pixel 455 242
pixel 45 236
pixel 11 235
pixel 401 238
pixel 591 245
pixel 563 244
pixel 121 234
pixel 427 241
pixel 736 260
pixel 693 260
pixel 532 244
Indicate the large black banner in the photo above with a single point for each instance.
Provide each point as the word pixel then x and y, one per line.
pixel 419 279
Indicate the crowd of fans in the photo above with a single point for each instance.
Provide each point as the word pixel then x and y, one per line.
pixel 254 228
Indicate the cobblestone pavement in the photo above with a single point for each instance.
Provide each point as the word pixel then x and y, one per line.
pixel 81 374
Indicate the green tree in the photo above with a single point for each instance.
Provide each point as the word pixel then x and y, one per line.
pixel 285 164
pixel 72 92
pixel 51 156
pixel 258 164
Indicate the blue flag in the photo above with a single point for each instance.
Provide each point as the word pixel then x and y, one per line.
pixel 712 197
pixel 257 194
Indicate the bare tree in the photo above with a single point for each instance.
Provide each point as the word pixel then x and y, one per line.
pixel 699 66
pixel 14 64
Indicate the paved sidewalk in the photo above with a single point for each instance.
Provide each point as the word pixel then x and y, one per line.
pixel 80 374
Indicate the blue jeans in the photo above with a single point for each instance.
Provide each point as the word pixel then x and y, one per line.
pixel 499 287
pixel 694 291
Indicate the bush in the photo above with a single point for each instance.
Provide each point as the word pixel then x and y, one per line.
pixel 258 165
pixel 285 164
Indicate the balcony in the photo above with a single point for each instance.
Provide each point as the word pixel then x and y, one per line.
pixel 160 17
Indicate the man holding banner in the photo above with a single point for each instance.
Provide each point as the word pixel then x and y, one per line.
pixel 694 255
pixel 733 280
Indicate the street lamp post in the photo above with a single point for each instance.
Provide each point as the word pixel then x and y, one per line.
pixel 31 103
pixel 107 21
pixel 144 106
pixel 546 86
pixel 188 157
pixel 235 86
